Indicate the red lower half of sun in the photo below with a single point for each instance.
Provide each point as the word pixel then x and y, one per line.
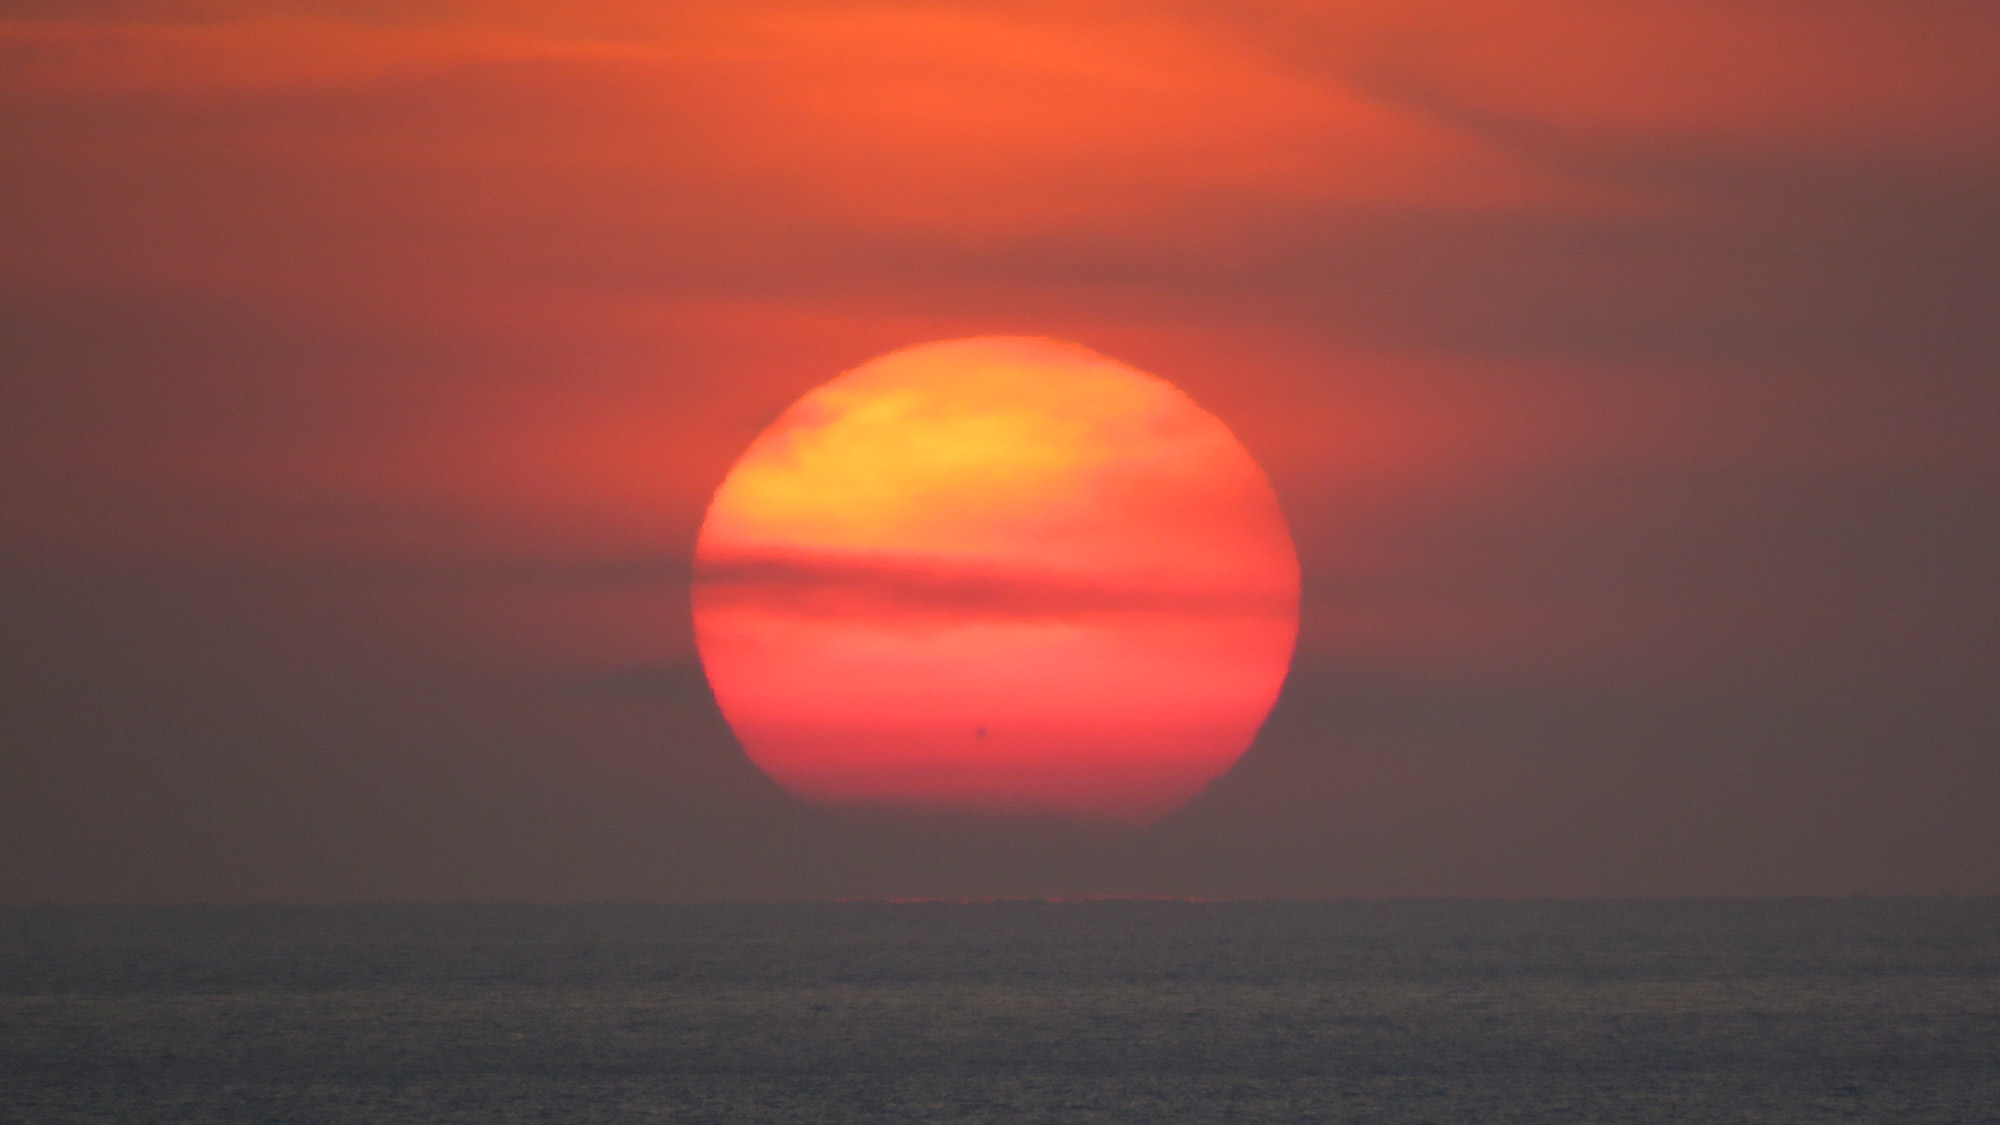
pixel 1125 716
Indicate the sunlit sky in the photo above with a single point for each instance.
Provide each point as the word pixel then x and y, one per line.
pixel 1626 374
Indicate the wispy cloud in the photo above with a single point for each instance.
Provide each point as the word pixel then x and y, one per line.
pixel 934 587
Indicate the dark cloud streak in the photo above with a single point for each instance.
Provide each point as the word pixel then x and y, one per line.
pixel 902 586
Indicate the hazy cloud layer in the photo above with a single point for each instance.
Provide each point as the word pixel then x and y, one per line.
pixel 1627 373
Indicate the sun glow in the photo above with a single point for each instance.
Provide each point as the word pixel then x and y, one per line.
pixel 1004 574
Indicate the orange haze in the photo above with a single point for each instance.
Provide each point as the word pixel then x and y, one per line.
pixel 1625 371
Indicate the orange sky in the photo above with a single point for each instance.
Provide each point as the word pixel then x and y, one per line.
pixel 1630 361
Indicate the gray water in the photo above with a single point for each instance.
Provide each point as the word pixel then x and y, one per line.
pixel 1868 1010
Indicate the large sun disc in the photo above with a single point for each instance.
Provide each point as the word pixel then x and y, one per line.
pixel 1003 574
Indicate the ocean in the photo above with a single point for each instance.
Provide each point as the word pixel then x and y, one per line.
pixel 1140 1011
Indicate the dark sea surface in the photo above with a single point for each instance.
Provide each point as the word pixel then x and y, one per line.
pixel 1866 1010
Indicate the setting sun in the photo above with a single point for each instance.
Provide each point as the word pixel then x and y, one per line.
pixel 1004 574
